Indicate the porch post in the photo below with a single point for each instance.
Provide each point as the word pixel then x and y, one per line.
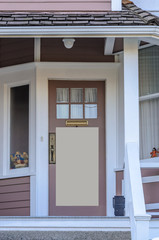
pixel 131 104
pixel 135 205
pixel 41 144
pixel 131 90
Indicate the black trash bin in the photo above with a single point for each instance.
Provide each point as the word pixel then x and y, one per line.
pixel 119 205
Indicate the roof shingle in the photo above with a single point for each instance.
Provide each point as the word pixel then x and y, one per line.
pixel 130 15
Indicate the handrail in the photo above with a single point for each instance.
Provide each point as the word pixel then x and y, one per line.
pixel 135 204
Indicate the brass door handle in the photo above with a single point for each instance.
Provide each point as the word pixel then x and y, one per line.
pixel 52 148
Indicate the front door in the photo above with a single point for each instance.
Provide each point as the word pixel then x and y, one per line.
pixel 77 174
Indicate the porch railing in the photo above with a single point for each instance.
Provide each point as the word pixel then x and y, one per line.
pixel 135 204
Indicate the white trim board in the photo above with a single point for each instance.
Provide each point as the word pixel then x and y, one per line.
pixel 72 71
pixel 148 97
pixel 64 224
pixel 152 206
pixel 154 228
pixel 109 46
pixel 150 179
pixel 81 31
pixel 150 163
pixel 11 77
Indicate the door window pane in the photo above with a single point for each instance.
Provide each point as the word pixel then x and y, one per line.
pixel 90 95
pixel 19 127
pixel 77 95
pixel 62 95
pixel 90 110
pixel 62 111
pixel 77 111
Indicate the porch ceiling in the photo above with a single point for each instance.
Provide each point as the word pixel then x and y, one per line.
pixel 15 51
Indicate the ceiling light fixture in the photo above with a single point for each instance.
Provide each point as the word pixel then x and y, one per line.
pixel 68 42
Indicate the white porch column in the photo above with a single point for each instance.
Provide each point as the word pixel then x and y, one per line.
pixel 131 103
pixel 42 186
pixel 135 205
pixel 131 91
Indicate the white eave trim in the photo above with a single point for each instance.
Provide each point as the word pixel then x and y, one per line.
pixel 81 31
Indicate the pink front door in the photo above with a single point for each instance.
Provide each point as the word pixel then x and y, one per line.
pixel 78 100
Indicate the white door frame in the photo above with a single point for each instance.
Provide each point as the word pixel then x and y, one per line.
pixel 74 71
pixel 40 74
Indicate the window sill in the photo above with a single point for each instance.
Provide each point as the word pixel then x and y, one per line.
pixel 17 175
pixel 149 97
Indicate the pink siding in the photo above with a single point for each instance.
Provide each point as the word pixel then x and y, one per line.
pixel 54 5
pixel 15 197
pixel 119 178
pixel 151 189
pixel 151 192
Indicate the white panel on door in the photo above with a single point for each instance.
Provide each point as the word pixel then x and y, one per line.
pixel 77 174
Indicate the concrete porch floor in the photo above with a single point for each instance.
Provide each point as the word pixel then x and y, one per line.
pixel 63 235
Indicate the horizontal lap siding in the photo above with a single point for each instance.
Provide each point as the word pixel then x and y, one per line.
pixel 84 50
pixel 151 192
pixel 55 5
pixel 15 197
pixel 16 51
pixel 119 178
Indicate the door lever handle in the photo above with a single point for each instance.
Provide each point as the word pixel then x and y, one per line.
pixel 52 148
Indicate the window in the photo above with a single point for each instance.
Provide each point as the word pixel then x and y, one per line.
pixel 76 103
pixel 149 100
pixel 19 127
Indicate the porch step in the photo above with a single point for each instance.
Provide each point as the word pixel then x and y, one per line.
pixel 65 224
pixel 152 206
pixel 154 228
pixel 150 163
pixel 153 213
pixel 55 235
pixel 150 179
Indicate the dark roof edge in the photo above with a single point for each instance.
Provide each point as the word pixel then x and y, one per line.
pixel 146 16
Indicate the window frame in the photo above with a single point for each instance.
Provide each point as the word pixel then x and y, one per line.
pixel 147 97
pixel 70 103
pixel 26 171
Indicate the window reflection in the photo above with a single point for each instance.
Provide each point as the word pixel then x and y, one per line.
pixel 90 95
pixel 62 111
pixel 90 110
pixel 62 95
pixel 76 111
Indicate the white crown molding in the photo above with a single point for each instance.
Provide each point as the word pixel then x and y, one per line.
pixel 80 31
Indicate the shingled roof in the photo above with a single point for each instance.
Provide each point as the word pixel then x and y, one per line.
pixel 130 15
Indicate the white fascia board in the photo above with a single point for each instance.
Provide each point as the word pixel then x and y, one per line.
pixel 78 31
pixel 154 41
pixel 109 46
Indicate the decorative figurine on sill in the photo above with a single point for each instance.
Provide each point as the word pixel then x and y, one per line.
pixel 18 160
pixel 154 152
pixel 25 157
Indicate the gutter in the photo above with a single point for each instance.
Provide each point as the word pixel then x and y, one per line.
pixel 80 31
